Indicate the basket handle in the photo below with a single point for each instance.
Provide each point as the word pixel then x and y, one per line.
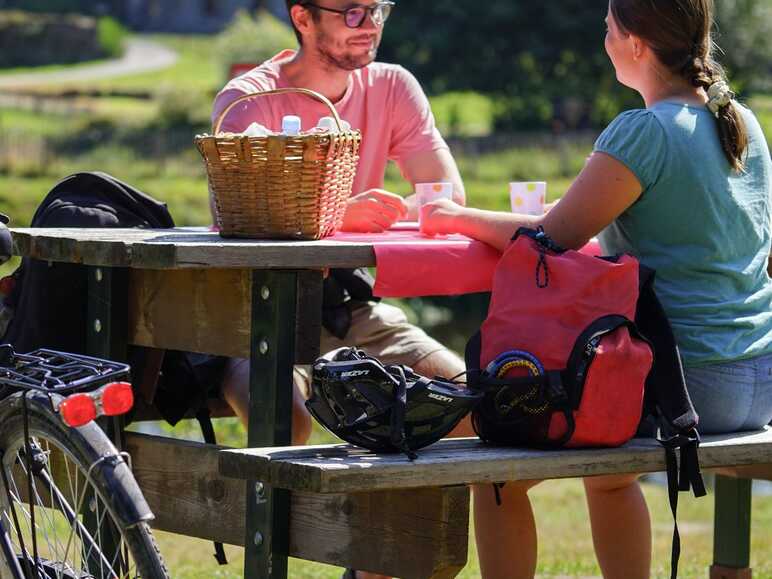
pixel 321 98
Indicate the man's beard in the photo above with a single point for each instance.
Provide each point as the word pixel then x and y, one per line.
pixel 345 61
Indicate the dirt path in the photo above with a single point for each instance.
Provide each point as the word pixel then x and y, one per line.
pixel 141 56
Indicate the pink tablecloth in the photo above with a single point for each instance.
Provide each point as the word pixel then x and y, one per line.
pixel 410 264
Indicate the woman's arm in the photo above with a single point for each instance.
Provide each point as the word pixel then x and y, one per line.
pixel 601 192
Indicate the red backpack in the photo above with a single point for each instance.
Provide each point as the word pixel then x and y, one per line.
pixel 562 362
pixel 574 352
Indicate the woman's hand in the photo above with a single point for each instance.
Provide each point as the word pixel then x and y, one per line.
pixel 439 217
pixel 373 211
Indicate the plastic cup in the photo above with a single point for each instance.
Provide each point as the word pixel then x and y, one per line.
pixel 528 197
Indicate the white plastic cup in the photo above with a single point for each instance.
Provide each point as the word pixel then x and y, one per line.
pixel 528 197
pixel 428 192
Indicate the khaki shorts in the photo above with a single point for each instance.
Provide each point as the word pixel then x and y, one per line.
pixel 381 330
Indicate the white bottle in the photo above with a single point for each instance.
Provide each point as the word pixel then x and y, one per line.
pixel 290 126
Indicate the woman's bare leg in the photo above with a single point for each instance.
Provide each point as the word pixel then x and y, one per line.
pixel 505 533
pixel 621 527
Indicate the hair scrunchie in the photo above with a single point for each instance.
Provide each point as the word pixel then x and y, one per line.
pixel 719 96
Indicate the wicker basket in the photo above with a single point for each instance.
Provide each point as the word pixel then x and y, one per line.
pixel 280 187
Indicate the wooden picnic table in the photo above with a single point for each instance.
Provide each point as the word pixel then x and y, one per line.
pixel 190 289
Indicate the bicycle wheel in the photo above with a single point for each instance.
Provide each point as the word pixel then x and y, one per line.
pixel 90 519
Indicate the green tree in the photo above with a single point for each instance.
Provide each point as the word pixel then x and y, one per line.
pixel 543 61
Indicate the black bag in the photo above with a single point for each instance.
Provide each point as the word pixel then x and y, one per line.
pixel 49 300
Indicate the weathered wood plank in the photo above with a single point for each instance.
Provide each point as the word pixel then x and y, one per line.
pixel 209 311
pixel 343 468
pixel 180 482
pixel 414 534
pixel 198 310
pixel 411 534
pixel 184 248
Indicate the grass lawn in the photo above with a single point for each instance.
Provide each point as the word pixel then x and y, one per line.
pixel 762 107
pixel 50 67
pixel 565 543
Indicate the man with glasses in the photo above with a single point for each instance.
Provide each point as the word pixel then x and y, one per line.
pixel 338 44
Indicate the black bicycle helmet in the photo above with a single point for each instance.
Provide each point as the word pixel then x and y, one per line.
pixel 384 408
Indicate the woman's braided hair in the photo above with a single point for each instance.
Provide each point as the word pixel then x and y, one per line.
pixel 680 34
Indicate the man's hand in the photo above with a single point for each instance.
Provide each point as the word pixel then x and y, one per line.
pixel 373 211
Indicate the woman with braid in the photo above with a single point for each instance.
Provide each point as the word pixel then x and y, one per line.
pixel 684 185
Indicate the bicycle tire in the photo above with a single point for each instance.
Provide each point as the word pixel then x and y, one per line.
pixel 84 447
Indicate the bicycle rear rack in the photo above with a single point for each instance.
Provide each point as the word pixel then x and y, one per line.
pixel 52 371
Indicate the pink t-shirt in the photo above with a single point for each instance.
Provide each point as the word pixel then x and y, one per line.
pixel 384 101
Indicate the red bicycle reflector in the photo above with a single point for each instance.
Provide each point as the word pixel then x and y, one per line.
pixel 77 410
pixel 117 398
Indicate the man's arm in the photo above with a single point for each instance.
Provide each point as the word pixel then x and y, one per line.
pixel 433 167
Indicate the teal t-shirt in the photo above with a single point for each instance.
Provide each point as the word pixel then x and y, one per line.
pixel 704 228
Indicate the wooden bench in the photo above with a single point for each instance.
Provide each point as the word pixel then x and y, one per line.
pixel 385 514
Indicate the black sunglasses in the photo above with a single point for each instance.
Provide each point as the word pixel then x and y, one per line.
pixel 355 16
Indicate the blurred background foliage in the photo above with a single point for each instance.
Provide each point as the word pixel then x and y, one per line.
pixel 252 39
pixel 29 39
pixel 543 68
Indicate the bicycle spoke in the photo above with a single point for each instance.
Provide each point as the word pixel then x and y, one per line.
pixel 47 514
pixel 46 524
pixel 100 527
pixel 55 546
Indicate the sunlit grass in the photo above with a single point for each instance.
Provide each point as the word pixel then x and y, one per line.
pixel 35 123
pixel 50 67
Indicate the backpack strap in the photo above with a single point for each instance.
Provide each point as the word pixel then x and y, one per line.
pixel 668 400
pixel 204 418
pixel 472 358
pixel 666 392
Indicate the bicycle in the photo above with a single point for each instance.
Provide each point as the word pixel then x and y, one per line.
pixel 69 505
